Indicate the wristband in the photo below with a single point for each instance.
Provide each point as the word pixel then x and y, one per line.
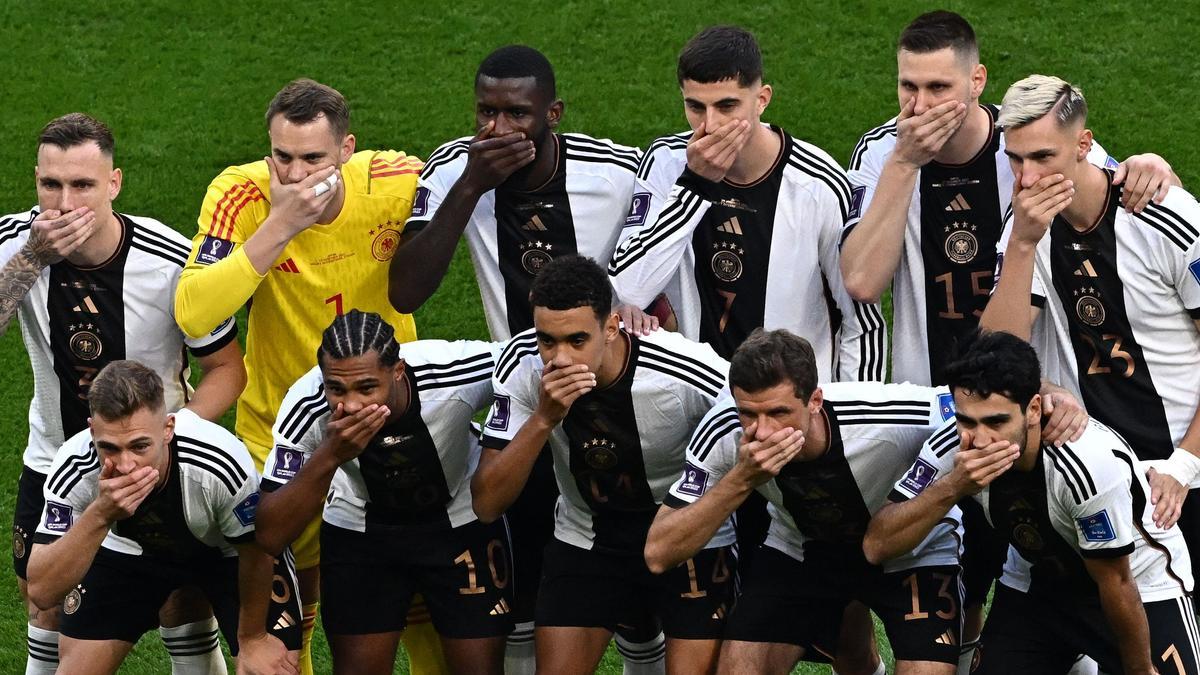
pixel 1183 466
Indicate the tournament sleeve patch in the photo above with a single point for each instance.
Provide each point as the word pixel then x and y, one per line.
pixel 420 202
pixel 287 462
pixel 58 517
pixel 501 409
pixel 856 201
pixel 695 480
pixel 638 209
pixel 246 510
pixel 919 476
pixel 946 405
pixel 1097 527
pixel 1194 268
pixel 213 249
pixel 1111 162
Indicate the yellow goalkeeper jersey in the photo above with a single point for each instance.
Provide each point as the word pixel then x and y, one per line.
pixel 324 271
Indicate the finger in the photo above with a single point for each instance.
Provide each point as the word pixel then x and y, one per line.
pixel 700 132
pixel 1120 173
pixel 272 170
pixel 517 161
pixel 63 219
pixel 499 143
pixel 106 471
pixel 749 433
pixel 317 176
pixel 1078 426
pixel 68 246
pixel 1146 190
pixel 48 214
pixel 485 130
pixel 339 412
pixel 906 108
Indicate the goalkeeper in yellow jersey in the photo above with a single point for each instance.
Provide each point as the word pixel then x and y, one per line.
pixel 300 237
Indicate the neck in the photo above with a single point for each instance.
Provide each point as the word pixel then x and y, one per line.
pixel 1091 195
pixel 969 139
pixel 816 439
pixel 757 157
pixel 1033 446
pixel 101 245
pixel 615 357
pixel 334 208
pixel 164 466
pixel 401 398
pixel 544 164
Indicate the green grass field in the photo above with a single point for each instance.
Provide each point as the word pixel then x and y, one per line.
pixel 184 87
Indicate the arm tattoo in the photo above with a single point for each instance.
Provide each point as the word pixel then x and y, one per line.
pixel 17 277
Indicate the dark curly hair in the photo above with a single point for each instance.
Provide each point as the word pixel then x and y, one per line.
pixel 996 363
pixel 572 281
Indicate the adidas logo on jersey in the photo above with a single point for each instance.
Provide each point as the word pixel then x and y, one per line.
pixel 535 224
pixel 86 306
pixel 959 203
pixel 1086 270
pixel 288 265
pixel 285 621
pixel 946 638
pixel 719 614
pixel 731 226
pixel 500 608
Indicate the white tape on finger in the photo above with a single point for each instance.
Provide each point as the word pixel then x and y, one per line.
pixel 325 185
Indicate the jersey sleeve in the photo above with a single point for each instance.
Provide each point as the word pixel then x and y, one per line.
pixel 219 278
pixel 650 254
pixel 513 397
pixel 711 453
pixel 866 165
pixel 298 430
pixel 69 488
pixel 1178 250
pixel 1098 499
pixel 935 460
pixel 14 232
pixel 441 172
pixel 235 512
pixel 1037 296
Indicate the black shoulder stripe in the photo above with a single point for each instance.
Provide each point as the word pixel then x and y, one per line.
pixel 481 360
pixel 16 222
pixel 15 229
pixel 214 460
pixel 674 217
pixel 459 381
pixel 200 463
pixel 871 136
pixel 1069 454
pixel 826 173
pixel 676 372
pixel 625 154
pixel 944 441
pixel 707 436
pixel 162 239
pixel 149 249
pixel 443 156
pixel 72 471
pixel 673 142
pixel 602 159
pixel 693 365
pixel 1169 224
pixel 1069 474
pixel 520 347
pixel 215 453
pixel 303 408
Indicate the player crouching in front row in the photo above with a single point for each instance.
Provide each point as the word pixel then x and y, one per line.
pixel 1088 571
pixel 144 502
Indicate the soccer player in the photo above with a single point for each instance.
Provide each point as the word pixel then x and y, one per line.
pixel 825 457
pixel 1114 296
pixel 741 221
pixel 384 430
pixel 141 503
pixel 1088 571
pixel 933 185
pixel 274 235
pixel 523 194
pixel 91 286
pixel 616 410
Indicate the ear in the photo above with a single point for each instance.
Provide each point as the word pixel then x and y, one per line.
pixel 816 401
pixel 1085 145
pixel 1033 412
pixel 169 429
pixel 765 92
pixel 347 148
pixel 398 370
pixel 554 113
pixel 114 184
pixel 978 80
pixel 612 327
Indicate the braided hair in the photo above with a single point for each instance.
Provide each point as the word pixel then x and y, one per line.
pixel 356 333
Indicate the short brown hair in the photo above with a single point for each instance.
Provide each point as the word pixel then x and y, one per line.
pixel 935 31
pixel 123 388
pixel 304 100
pixel 770 358
pixel 76 129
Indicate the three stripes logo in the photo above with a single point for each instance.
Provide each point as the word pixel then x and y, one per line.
pixel 959 203
pixel 535 224
pixel 731 226
pixel 946 638
pixel 288 265
pixel 501 608
pixel 86 306
pixel 1086 270
pixel 285 621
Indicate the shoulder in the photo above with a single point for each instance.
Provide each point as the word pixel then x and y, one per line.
pixel 154 238
pixel 1091 465
pixel 1177 219
pixel 602 151
pixel 692 363
pixel 670 150
pixel 248 177
pixel 304 404
pixel 817 167
pixel 442 364
pixel 16 225
pixel 519 353
pixel 386 170
pixel 876 143
pixel 719 424
pixel 76 459
pixel 447 154
pixel 211 453
pixel 876 404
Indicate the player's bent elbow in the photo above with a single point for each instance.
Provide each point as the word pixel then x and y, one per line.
pixel 875 549
pixel 485 511
pixel 656 559
pixel 861 289
pixel 270 543
pixel 39 594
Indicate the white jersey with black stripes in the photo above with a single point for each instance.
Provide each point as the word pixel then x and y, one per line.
pixel 75 321
pixel 417 470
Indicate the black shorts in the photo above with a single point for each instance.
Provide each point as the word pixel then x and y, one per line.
pixel 983 553
pixel 121 594
pixel 789 601
pixel 464 574
pixel 1026 633
pixel 602 590
pixel 30 503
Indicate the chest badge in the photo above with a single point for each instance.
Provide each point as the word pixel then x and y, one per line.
pixel 1089 308
pixel 535 255
pixel 600 453
pixel 961 244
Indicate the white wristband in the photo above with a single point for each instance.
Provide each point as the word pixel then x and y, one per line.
pixel 1183 466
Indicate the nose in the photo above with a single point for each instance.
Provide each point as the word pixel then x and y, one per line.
pixel 504 125
pixel 712 119
pixel 1029 176
pixel 560 358
pixel 922 102
pixel 125 464
pixel 70 200
pixel 296 172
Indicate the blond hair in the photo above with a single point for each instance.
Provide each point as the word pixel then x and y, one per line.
pixel 1038 95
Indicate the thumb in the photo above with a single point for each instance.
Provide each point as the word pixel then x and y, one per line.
pixel 272 171
pixel 106 471
pixel 1119 174
pixel 1048 404
pixel 700 131
pixel 906 109
pixel 485 130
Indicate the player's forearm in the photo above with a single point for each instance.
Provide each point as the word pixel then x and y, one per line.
pixel 871 252
pixel 899 527
pixel 646 261
pixel 19 274
pixel 1123 609
pixel 222 381
pixel 255 572
pixel 678 534
pixel 1010 308
pixel 284 513
pixel 501 475
pixel 54 569
pixel 209 294
pixel 420 264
